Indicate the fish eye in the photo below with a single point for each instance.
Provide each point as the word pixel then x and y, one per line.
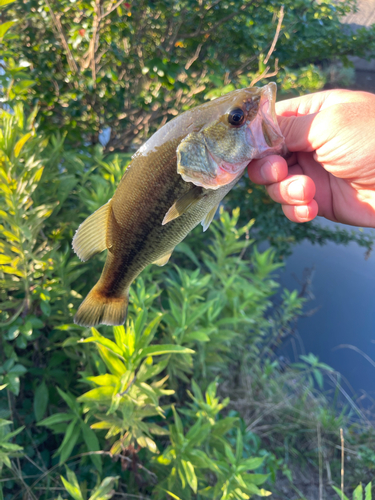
pixel 236 117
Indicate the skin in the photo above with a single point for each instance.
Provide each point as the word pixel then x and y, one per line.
pixel 331 172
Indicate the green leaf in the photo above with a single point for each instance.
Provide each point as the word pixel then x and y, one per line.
pixel 4 422
pixel 108 344
pixel 149 331
pixel 104 393
pixel 13 382
pixel 11 435
pixel 358 493
pixel 69 400
pixel 319 378
pixel 40 401
pixel 69 441
pixel 106 379
pixel 368 494
pixel 46 308
pixel 149 391
pixel 250 463
pixel 17 370
pixel 5 26
pixel 5 459
pixel 257 479
pixel 178 422
pixel 173 495
pixel 73 489
pixel 92 444
pixel 239 446
pixel 157 350
pixel 338 491
pixel 112 362
pixel 106 489
pixel 11 446
pixel 157 430
pixel 119 333
pixel 58 418
pixel 229 453
pixel 21 142
pixel 190 475
pixel 146 442
pixel 6 2
pixel 201 336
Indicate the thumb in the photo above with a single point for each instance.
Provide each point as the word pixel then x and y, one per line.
pixel 304 133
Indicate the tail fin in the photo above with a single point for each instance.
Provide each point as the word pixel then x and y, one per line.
pixel 98 308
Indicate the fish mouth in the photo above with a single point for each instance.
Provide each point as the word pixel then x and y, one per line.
pixel 263 132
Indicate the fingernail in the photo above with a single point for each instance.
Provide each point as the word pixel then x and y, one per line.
pixel 266 171
pixel 296 191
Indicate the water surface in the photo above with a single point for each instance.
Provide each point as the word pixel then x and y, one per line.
pixel 344 289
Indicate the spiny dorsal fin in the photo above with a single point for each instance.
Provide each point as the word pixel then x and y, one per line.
pixel 186 201
pixel 163 260
pixel 209 217
pixel 91 236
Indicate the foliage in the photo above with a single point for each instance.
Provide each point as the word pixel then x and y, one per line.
pixel 123 398
pixel 206 327
pixel 131 66
pixel 103 491
pixel 357 493
pixel 41 291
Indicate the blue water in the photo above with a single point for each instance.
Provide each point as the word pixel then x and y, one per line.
pixel 344 289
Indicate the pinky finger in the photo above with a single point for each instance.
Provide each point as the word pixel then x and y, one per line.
pixel 302 213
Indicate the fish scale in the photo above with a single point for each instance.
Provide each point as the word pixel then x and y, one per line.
pixel 159 200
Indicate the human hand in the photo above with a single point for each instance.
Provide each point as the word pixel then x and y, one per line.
pixel 331 172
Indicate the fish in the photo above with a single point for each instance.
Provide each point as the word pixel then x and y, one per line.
pixel 176 180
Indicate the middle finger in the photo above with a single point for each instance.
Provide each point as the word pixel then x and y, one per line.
pixel 293 190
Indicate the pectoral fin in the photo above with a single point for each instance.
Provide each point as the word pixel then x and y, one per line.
pixel 209 218
pixel 163 260
pixel 183 204
pixel 92 236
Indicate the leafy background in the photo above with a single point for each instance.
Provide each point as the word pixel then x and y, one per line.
pixel 190 398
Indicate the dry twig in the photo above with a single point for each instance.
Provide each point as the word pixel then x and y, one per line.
pixel 277 33
pixel 265 73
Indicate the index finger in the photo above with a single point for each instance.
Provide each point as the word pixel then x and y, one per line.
pixel 304 105
pixel 313 103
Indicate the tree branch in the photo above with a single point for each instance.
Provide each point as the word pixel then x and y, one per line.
pixel 198 32
pixel 111 9
pixel 275 38
pixel 265 74
pixel 56 21
pixel 195 56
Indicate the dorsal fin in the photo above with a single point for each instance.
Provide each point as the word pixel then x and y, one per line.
pixel 163 260
pixel 186 201
pixel 91 236
pixel 209 217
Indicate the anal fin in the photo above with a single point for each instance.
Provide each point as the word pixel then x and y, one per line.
pixel 183 204
pixel 163 260
pixel 209 217
pixel 91 236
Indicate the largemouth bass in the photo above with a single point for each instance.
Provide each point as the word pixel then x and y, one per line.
pixel 175 180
